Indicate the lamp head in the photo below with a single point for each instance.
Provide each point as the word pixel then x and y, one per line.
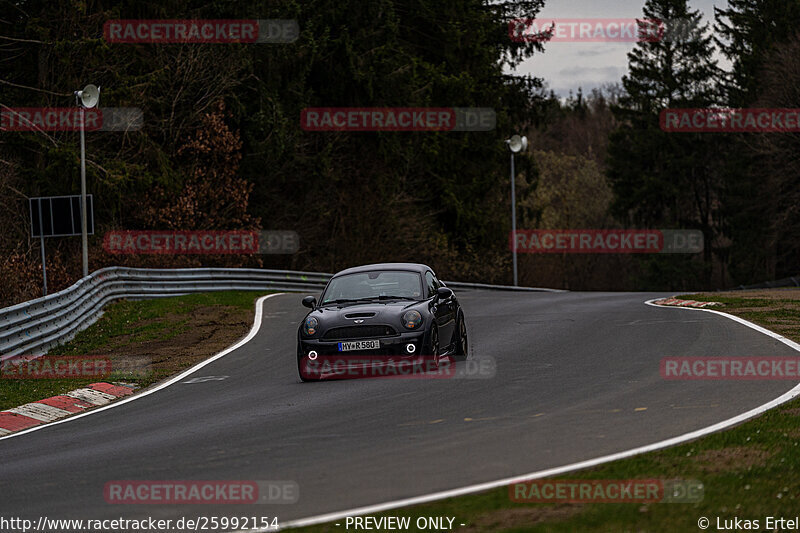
pixel 517 144
pixel 89 97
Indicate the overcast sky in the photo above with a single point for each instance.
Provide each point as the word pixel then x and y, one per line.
pixel 566 66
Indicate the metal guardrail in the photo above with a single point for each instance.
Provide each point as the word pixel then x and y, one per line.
pixel 35 326
pixel 483 286
pixel 785 282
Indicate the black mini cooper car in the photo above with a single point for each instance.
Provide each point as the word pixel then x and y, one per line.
pixel 390 310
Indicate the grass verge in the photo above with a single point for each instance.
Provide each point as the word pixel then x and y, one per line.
pixel 147 341
pixel 750 471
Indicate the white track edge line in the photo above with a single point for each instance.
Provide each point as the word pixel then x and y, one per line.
pixel 470 489
pixel 253 331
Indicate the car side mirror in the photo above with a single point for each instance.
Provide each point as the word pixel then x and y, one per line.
pixel 310 301
pixel 443 293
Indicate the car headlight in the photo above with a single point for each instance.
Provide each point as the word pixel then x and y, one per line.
pixel 412 319
pixel 310 325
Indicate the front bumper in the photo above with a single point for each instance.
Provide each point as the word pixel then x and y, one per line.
pixel 390 346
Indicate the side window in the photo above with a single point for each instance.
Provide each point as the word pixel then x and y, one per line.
pixel 430 282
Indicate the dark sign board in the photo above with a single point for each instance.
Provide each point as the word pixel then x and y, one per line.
pixel 60 216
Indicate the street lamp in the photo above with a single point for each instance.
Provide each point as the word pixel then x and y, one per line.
pixel 85 99
pixel 516 144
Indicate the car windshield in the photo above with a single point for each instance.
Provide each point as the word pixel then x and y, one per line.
pixel 385 284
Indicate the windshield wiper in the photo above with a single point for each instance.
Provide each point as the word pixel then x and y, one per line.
pixel 396 298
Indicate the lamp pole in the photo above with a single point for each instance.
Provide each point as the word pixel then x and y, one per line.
pixel 515 144
pixel 514 218
pixel 88 98
pixel 84 230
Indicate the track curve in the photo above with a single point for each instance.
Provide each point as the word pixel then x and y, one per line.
pixel 577 378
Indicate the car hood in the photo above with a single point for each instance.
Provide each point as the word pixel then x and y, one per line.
pixel 368 310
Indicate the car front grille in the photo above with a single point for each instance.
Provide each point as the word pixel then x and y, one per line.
pixel 358 332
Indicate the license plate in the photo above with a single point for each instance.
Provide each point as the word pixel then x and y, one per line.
pixel 359 345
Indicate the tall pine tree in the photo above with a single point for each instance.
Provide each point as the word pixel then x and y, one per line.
pixel 660 179
pixel 750 33
pixel 747 33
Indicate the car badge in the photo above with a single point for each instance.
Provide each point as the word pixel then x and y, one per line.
pixel 358 321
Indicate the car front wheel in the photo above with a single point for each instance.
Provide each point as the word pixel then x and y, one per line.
pixel 462 344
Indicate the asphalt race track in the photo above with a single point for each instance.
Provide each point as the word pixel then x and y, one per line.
pixel 577 378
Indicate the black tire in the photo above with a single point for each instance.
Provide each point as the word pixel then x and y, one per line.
pixel 462 341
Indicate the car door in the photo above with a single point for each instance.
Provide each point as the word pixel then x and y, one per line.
pixel 452 311
pixel 444 311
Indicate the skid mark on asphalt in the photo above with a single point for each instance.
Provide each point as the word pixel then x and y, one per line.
pixel 652 321
pixel 468 419
pixel 694 406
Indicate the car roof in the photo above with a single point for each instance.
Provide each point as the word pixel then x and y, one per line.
pixel 412 267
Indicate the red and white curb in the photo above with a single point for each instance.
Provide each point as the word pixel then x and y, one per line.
pixel 61 406
pixel 685 303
